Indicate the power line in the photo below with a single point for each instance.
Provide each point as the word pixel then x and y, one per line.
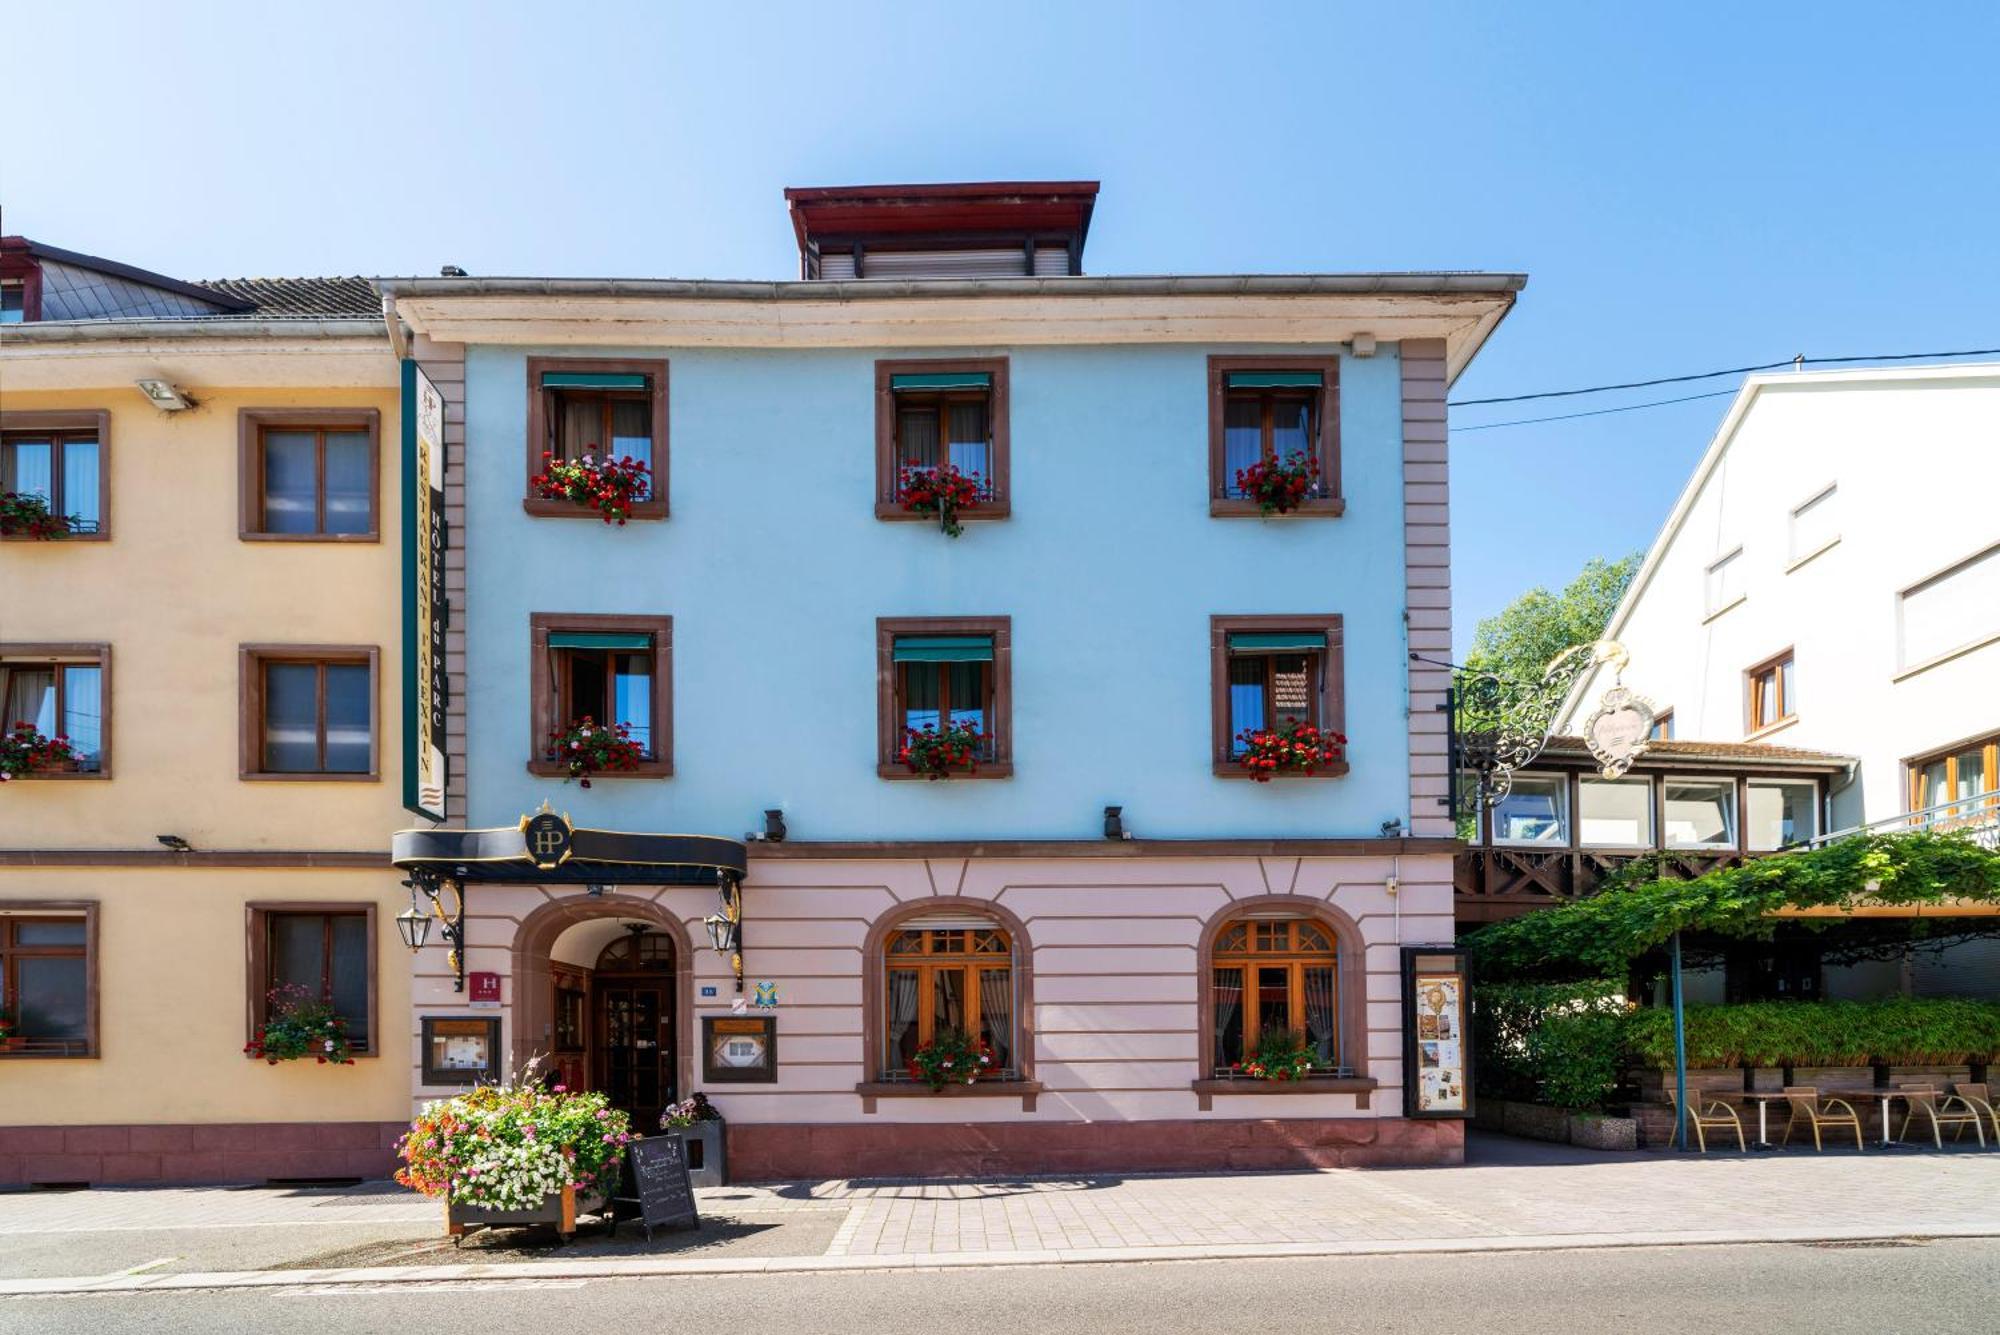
pixel 1599 412
pixel 1711 375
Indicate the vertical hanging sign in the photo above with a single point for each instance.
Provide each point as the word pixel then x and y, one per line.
pixel 425 610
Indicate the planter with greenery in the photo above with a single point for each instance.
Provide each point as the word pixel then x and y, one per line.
pixel 23 514
pixel 1280 1054
pixel 609 486
pixel 24 751
pixel 1291 748
pixel 6 1030
pixel 1278 485
pixel 942 491
pixel 939 753
pixel 952 1057
pixel 300 1025
pixel 700 1124
pixel 587 747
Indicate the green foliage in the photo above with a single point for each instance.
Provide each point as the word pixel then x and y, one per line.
pixel 1905 1032
pixel 1559 1044
pixel 1519 642
pixel 1281 1055
pixel 1603 934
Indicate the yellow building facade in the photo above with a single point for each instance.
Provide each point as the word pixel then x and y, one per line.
pixel 219 637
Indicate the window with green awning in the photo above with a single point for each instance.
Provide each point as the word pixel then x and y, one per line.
pixel 941 380
pixel 944 649
pixel 592 380
pixel 1265 642
pixel 577 639
pixel 1276 380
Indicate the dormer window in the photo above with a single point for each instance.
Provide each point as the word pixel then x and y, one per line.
pixel 973 230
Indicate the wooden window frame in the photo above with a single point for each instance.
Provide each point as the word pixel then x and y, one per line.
pixel 1987 744
pixel 1332 698
pixel 1663 727
pixel 59 425
pixel 251 426
pixel 1293 960
pixel 542 687
pixel 1326 438
pixel 926 964
pixel 541 420
pixel 43 910
pixel 998 413
pixel 55 654
pixel 252 659
pixel 888 691
pixel 257 915
pixel 1753 693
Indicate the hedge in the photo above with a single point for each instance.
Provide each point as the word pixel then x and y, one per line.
pixel 1560 1044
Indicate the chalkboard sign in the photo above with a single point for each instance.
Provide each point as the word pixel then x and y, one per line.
pixel 656 1172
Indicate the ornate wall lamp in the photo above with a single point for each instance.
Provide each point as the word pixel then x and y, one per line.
pixel 725 929
pixel 414 923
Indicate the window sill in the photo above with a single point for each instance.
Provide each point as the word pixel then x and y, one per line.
pixel 58 542
pixel 1024 1090
pixel 1726 608
pixel 60 776
pixel 259 776
pixel 1361 1086
pixel 359 1056
pixel 248 536
pixel 648 769
pixel 893 513
pixel 1813 555
pixel 547 509
pixel 1761 733
pixel 1229 769
pixel 12 1055
pixel 1323 507
pixel 1946 657
pixel 995 769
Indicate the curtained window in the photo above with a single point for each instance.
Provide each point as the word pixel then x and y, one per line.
pixel 605 423
pixel 1274 976
pixel 61 467
pixel 324 955
pixel 59 699
pixel 45 983
pixel 309 712
pixel 316 481
pixel 946 974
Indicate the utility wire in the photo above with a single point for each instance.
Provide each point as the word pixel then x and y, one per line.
pixel 1711 375
pixel 1599 412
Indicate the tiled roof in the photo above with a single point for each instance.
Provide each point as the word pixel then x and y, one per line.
pixel 327 298
pixel 1750 752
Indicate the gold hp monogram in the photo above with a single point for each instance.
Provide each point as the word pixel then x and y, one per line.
pixel 549 839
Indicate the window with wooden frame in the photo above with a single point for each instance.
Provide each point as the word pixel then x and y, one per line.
pixel 607 407
pixel 1272 977
pixel 61 690
pixel 610 669
pixel 933 672
pixel 1267 670
pixel 944 973
pixel 48 979
pixel 1663 727
pixel 934 412
pixel 309 474
pixel 13 301
pixel 1272 409
pixel 310 712
pixel 1958 785
pixel 64 458
pixel 1772 694
pixel 322 951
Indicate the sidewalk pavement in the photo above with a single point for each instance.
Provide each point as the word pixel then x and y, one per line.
pixel 1511 1195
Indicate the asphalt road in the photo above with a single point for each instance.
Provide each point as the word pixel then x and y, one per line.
pixel 1931 1287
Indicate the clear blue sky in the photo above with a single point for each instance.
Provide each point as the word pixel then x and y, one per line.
pixel 1691 188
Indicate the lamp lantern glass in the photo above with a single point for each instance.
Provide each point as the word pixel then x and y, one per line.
pixel 413 927
pixel 721 931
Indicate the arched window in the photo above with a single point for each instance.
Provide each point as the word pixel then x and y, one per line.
pixel 947 972
pixel 638 952
pixel 1275 975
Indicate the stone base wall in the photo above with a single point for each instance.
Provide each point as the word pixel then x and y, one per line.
pixel 762 1153
pixel 195 1154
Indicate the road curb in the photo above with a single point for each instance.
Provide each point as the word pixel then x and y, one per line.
pixel 378 1276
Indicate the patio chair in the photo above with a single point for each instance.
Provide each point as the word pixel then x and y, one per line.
pixel 1981 1102
pixel 1809 1107
pixel 1947 1110
pixel 1717 1116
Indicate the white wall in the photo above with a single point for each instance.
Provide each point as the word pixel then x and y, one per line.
pixel 1915 456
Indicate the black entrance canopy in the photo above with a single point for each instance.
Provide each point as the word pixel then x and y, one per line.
pixel 544 848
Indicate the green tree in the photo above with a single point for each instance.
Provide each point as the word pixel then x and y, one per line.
pixel 1519 642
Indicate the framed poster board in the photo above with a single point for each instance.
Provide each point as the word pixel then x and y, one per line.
pixel 739 1049
pixel 461 1049
pixel 1437 1039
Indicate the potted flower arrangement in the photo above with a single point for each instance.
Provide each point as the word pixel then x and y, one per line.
pixel 515 1153
pixel 6 1030
pixel 1279 1055
pixel 23 514
pixel 587 747
pixel 936 752
pixel 700 1124
pixel 942 491
pixel 23 750
pixel 1278 485
pixel 609 486
pixel 952 1057
pixel 301 1025
pixel 1293 747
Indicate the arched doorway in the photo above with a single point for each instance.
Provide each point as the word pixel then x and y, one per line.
pixel 632 1023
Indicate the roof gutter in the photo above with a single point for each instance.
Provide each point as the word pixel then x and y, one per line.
pixel 159 330
pixel 399 339
pixel 1432 284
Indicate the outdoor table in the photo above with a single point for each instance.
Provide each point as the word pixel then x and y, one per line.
pixel 1765 1098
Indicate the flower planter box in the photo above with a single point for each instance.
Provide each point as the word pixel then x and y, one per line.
pixel 1658 1086
pixel 707 1153
pixel 1833 1078
pixel 559 1208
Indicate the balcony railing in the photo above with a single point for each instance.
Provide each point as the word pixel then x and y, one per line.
pixel 1502 881
pixel 1978 818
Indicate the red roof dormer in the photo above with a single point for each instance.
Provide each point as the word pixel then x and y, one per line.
pixel 986 229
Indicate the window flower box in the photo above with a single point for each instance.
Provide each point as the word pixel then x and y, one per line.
pixel 1279 486
pixel 23 751
pixel 939 753
pixel 23 514
pixel 942 491
pixel 1292 748
pixel 587 747
pixel 301 1026
pixel 953 1057
pixel 609 486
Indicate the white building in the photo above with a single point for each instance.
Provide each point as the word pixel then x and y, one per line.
pixel 1830 579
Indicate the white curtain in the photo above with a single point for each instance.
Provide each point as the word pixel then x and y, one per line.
pixel 902 1017
pixel 996 1013
pixel 79 463
pixel 31 698
pixel 83 712
pixel 1228 1000
pixel 1322 1013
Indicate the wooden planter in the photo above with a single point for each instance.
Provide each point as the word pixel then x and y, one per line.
pixel 1658 1086
pixel 1937 1074
pixel 559 1208
pixel 1764 1079
pixel 1833 1079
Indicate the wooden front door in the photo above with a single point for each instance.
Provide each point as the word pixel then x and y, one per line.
pixel 633 1057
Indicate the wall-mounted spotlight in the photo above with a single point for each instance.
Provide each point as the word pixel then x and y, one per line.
pixel 774 825
pixel 175 843
pixel 1114 823
pixel 164 396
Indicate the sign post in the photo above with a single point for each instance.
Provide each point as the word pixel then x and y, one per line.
pixel 426 612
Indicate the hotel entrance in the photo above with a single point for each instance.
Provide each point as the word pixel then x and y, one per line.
pixel 614 1021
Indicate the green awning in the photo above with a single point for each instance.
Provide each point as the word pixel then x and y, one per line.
pixel 1266 641
pixel 1275 379
pixel 943 380
pixel 944 649
pixel 599 639
pixel 592 380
